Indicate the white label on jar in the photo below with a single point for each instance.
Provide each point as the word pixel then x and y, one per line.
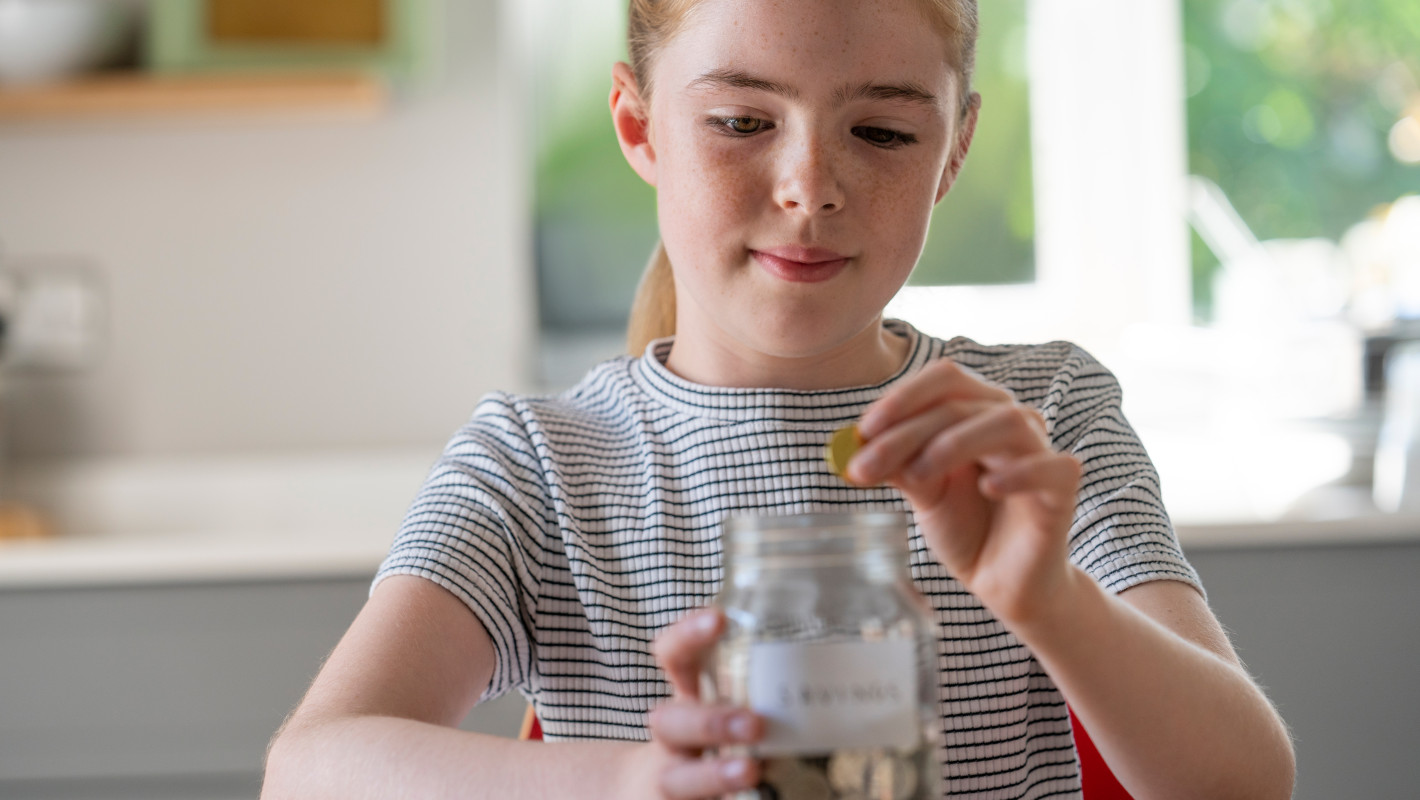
pixel 821 697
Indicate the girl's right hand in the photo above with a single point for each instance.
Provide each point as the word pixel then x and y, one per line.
pixel 671 766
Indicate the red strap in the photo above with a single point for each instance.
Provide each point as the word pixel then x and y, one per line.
pixel 1096 778
pixel 531 728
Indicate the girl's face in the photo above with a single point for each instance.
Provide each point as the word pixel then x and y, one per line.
pixel 797 147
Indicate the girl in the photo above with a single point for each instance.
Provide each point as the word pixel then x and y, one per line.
pixel 562 544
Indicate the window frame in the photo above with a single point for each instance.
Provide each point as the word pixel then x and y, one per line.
pixel 1107 102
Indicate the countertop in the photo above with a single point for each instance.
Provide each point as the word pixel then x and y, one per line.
pixel 180 520
pixel 187 520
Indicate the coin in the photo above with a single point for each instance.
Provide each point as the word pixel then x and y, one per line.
pixel 874 774
pixel 848 771
pixel 891 777
pixel 840 448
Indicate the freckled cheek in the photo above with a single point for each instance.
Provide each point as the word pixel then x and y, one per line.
pixel 707 194
pixel 896 209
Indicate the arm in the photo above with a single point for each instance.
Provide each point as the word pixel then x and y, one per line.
pixel 1149 672
pixel 380 721
pixel 1151 675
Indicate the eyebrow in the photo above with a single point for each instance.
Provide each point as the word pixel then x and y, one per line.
pixel 909 92
pixel 725 78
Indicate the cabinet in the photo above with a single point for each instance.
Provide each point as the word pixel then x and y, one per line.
pixel 1330 633
pixel 163 692
pixel 169 691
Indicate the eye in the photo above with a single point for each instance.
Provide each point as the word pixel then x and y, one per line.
pixel 738 126
pixel 883 137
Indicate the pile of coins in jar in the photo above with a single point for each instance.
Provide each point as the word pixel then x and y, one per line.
pixel 845 775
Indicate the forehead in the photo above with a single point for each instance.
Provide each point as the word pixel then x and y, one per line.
pixel 814 46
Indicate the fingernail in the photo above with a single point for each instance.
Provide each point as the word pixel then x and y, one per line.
pixel 863 468
pixel 868 423
pixel 706 622
pixel 736 770
pixel 741 727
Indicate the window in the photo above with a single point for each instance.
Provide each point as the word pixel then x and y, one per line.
pixel 594 219
pixel 1306 116
pixel 983 231
pixel 1108 171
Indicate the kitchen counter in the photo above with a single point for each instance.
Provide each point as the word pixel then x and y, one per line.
pixel 1368 527
pixel 154 646
pixel 163 521
pixel 145 521
pixel 188 602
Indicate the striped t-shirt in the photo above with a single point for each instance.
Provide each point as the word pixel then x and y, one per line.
pixel 576 526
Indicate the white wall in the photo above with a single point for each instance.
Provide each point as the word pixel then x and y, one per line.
pixel 280 282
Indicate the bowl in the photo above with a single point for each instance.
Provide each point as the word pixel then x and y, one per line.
pixel 43 41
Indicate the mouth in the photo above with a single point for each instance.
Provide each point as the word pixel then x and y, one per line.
pixel 800 264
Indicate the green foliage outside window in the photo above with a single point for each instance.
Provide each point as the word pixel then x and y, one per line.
pixel 983 231
pixel 1291 111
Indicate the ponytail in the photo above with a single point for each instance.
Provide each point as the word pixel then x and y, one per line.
pixel 653 310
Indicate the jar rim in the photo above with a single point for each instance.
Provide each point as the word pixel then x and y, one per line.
pixel 833 537
pixel 857 519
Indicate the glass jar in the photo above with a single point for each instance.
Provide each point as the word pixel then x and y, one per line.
pixel 830 642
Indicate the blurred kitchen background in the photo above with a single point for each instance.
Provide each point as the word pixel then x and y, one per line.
pixel 260 258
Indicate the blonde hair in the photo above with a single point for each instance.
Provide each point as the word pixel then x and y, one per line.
pixel 653 23
pixel 653 309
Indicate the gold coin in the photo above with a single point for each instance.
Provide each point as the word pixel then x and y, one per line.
pixel 840 448
pixel 848 772
pixel 891 777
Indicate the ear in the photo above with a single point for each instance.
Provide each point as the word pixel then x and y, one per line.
pixel 965 132
pixel 632 121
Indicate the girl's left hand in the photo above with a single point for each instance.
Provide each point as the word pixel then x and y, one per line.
pixel 992 498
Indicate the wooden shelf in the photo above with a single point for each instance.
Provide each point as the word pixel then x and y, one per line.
pixel 141 95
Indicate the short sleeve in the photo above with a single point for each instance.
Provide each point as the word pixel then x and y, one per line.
pixel 1122 534
pixel 475 529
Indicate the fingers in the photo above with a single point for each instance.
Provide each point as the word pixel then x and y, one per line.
pixel 938 381
pixel 991 437
pixel 697 779
pixel 681 649
pixel 1054 476
pixel 935 444
pixel 888 452
pixel 692 727
pixel 685 727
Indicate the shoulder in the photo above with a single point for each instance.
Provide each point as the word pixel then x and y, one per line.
pixel 1034 372
pixel 1070 388
pixel 601 398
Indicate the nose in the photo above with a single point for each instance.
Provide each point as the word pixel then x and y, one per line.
pixel 808 182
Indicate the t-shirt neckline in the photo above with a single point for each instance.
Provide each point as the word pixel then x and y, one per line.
pixel 839 406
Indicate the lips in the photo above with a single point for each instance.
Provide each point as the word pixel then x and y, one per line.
pixel 800 264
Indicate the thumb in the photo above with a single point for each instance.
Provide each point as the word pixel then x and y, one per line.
pixel 681 649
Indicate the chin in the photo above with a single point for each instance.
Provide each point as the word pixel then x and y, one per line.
pixel 804 336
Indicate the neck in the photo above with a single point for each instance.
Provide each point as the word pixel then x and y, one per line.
pixel 870 357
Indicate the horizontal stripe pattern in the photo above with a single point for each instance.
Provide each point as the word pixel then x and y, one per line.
pixel 576 526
